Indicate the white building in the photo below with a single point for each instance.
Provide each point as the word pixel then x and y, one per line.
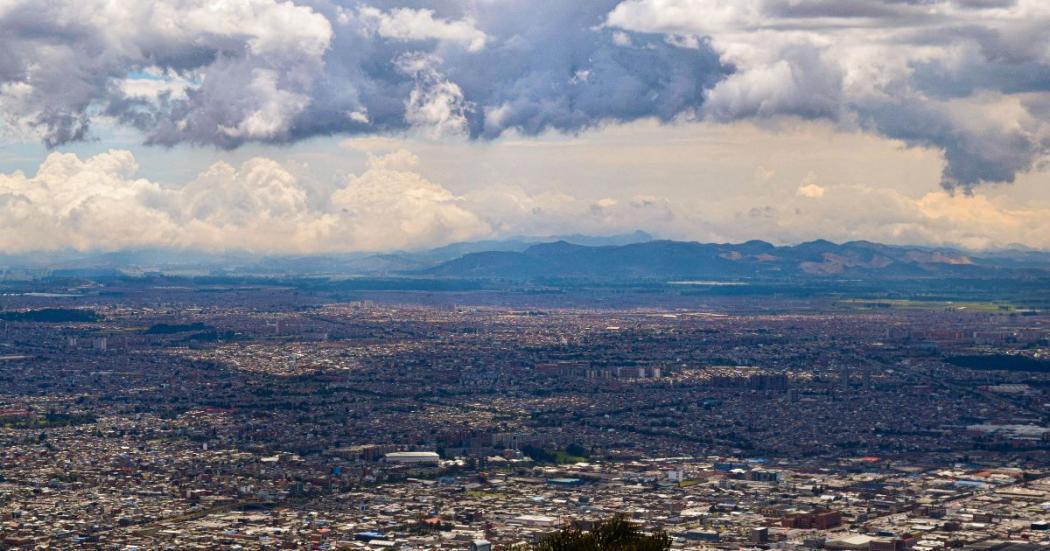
pixel 414 458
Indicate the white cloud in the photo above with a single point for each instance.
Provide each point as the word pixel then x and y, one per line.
pixel 813 191
pixel 420 24
pixel 435 106
pixel 80 204
pixel 390 207
pixel 399 159
pixel 359 116
pixel 810 188
pixel 98 204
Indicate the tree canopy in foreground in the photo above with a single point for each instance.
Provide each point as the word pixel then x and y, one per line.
pixel 613 534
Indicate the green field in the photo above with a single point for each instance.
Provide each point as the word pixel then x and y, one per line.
pixel 937 305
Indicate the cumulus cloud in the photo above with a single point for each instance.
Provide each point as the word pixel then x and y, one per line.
pixel 389 205
pixel 78 204
pixel 98 203
pixel 421 24
pixel 958 75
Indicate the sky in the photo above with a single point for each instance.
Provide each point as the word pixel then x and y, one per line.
pixel 320 126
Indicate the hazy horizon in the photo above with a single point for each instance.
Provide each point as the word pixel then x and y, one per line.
pixel 587 240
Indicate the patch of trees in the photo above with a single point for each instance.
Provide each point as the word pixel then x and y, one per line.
pixel 613 534
pixel 573 453
pixel 49 420
pixel 172 328
pixel 52 315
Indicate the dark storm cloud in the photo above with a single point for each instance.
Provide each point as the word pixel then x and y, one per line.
pixel 986 154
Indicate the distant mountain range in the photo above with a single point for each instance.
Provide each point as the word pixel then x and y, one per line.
pixel 194 263
pixel 628 257
pixel 668 260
